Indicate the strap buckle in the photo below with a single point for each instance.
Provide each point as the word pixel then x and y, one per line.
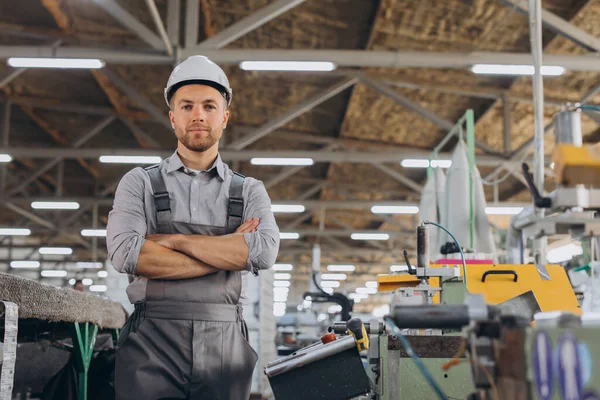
pixel 162 202
pixel 235 208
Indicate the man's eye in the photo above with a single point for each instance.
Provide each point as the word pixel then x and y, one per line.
pixel 186 107
pixel 210 107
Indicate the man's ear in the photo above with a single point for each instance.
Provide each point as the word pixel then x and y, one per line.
pixel 225 118
pixel 172 119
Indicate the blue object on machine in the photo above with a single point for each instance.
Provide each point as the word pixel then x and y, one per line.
pixel 416 359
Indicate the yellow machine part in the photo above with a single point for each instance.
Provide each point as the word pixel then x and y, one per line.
pixel 576 165
pixel 555 294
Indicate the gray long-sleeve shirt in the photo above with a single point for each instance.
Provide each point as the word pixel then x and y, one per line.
pixel 197 197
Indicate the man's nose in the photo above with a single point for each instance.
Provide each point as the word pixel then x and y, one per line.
pixel 198 114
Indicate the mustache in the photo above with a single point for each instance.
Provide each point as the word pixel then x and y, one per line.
pixel 197 127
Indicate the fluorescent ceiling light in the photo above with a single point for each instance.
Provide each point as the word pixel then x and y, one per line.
pixel 281 290
pixel 414 163
pixel 394 209
pixel 371 284
pixel 280 298
pixel 423 163
pixel 283 276
pixel 336 308
pixel 287 208
pixel 48 273
pixel 366 290
pixel 355 296
pixel 279 304
pixel 98 288
pixel 88 265
pixel 287 66
pixel 398 268
pixel 370 236
pixel 340 268
pixel 5 158
pixel 102 274
pixel 87 281
pixel 503 210
pixel 330 284
pixel 289 235
pixel 44 62
pixel 93 232
pixel 55 205
pixel 499 69
pixel 281 161
pixel 130 159
pixel 281 283
pixel 441 163
pixel 14 232
pixel 564 253
pixel 55 250
pixel 283 267
pixel 334 277
pixel 328 290
pixel 25 264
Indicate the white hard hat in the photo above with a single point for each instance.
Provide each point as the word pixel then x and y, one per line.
pixel 198 69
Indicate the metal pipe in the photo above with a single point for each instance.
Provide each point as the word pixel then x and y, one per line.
pixel 316 266
pixel 535 35
pixel 431 316
pixel 423 246
pixel 567 128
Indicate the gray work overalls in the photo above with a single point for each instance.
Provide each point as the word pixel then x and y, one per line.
pixel 188 340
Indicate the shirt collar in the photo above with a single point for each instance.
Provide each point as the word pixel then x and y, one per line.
pixel 175 164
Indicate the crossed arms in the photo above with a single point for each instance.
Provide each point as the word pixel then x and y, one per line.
pixel 253 246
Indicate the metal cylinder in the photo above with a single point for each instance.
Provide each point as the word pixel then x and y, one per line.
pixel 431 316
pixel 567 128
pixel 304 358
pixel 422 246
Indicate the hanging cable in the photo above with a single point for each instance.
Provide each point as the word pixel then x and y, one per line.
pixel 418 362
pixel 462 255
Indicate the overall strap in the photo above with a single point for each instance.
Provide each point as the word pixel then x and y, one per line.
pixel 161 198
pixel 235 208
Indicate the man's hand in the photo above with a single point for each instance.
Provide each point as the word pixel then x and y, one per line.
pixel 248 226
pixel 164 240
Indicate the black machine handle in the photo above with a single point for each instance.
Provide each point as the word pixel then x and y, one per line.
pixel 500 272
pixel 540 202
pixel 411 269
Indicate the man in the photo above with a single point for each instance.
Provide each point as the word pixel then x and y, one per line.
pixel 176 229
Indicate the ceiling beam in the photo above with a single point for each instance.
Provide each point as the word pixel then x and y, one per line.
pixel 231 155
pixel 12 75
pixel 342 58
pixel 399 177
pixel 416 108
pixel 247 24
pixel 99 127
pixel 192 10
pixel 291 114
pixel 560 26
pixel 40 221
pixel 160 26
pixel 131 23
pixel 157 114
pixel 173 19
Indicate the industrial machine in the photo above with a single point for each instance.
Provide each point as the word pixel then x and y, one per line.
pixel 494 355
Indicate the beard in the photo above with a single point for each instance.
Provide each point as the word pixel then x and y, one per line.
pixel 197 141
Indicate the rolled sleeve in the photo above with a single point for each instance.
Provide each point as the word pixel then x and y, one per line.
pixel 126 229
pixel 263 244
